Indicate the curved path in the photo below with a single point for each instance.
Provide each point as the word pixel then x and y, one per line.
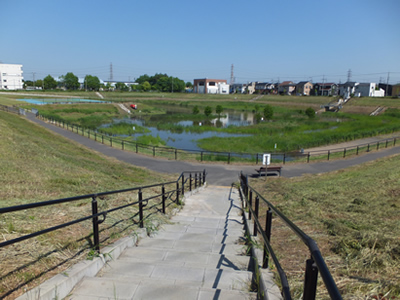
pixel 217 174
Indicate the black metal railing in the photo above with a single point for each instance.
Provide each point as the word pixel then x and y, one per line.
pixel 314 264
pixel 183 183
pixel 202 155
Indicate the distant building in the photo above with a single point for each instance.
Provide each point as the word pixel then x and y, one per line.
pixel 304 88
pixel 210 86
pixel 11 77
pixel 396 90
pixel 286 87
pixel 325 89
pixel 388 88
pixel 237 88
pixel 357 89
pixel 265 87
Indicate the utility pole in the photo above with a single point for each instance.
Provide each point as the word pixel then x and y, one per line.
pixel 387 84
pixel 33 74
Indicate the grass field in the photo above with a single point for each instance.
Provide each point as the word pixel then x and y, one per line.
pixel 353 215
pixel 37 165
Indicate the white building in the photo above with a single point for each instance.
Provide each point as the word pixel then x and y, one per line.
pixel 368 90
pixel 11 77
pixel 211 86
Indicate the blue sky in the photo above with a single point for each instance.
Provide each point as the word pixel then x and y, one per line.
pixel 264 40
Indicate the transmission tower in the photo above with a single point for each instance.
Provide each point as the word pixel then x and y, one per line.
pixel 349 75
pixel 111 73
pixel 232 77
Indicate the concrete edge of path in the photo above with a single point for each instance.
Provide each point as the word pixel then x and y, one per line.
pixel 60 285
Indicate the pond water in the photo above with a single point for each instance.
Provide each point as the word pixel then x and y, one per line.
pixel 183 140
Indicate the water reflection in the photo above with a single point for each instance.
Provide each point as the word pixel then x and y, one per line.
pixel 188 140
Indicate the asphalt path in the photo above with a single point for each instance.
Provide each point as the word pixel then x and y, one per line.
pixel 217 174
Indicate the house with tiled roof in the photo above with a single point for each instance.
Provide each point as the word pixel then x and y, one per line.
pixel 286 87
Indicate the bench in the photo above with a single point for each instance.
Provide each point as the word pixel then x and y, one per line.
pixel 266 170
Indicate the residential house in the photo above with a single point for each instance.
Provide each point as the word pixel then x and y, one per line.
pixel 396 90
pixel 304 88
pixel 369 89
pixel 348 89
pixel 11 77
pixel 238 88
pixel 264 88
pixel 210 86
pixel 251 88
pixel 286 87
pixel 325 89
pixel 388 88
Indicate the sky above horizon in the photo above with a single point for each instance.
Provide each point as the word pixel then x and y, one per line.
pixel 317 40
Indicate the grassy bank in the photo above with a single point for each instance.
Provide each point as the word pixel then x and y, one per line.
pixel 37 166
pixel 354 217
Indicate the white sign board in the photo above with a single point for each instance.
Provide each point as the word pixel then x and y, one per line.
pixel 266 159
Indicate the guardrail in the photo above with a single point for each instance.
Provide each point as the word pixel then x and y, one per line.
pixel 185 182
pixel 314 264
pixel 202 155
pixel 12 109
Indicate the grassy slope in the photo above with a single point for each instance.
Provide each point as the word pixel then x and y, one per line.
pixel 354 217
pixel 37 165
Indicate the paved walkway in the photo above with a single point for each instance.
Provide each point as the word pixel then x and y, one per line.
pixel 200 255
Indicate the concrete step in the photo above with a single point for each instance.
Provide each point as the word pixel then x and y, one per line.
pixel 141 288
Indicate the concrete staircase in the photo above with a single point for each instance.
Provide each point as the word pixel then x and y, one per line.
pixel 200 255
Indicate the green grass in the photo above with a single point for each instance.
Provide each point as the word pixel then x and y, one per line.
pixel 354 217
pixel 37 165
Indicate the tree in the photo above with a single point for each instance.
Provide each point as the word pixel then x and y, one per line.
pixel 92 82
pixel 207 111
pixel 146 86
pixel 120 86
pixel 49 83
pixel 219 110
pixel 268 112
pixel 70 81
pixel 310 112
pixel 196 110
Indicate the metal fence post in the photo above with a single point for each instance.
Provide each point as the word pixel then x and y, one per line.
pixel 256 216
pixel 154 151
pixel 177 192
pixel 284 158
pixel 229 158
pixel 357 151
pixel 111 142
pixel 204 176
pixel 123 146
pixel 183 184
pixel 310 281
pixel 95 220
pixel 163 198
pixel 176 154
pixel 195 180
pixel 190 182
pixel 344 153
pixel 329 153
pixel 141 223
pixel 377 146
pixel 268 224
pixel 308 157
pixel 250 202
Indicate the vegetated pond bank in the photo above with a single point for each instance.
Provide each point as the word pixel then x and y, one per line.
pixel 238 129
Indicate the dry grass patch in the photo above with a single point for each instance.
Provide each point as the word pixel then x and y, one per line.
pixel 354 217
pixel 38 166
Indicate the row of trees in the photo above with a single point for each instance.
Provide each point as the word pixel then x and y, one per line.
pixel 158 82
